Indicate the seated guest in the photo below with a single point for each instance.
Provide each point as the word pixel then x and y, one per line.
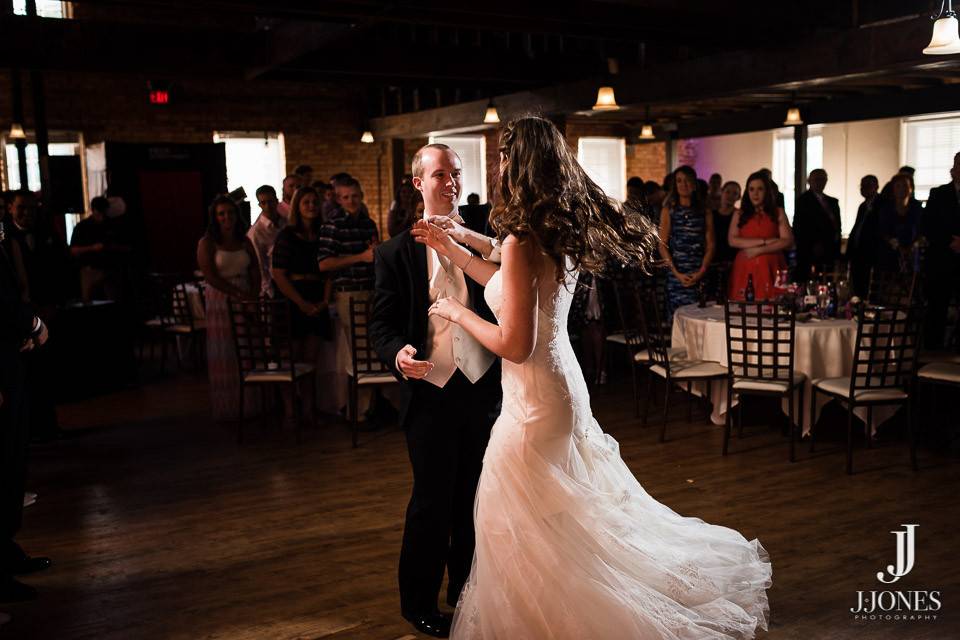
pixel 263 234
pixel 686 238
pixel 940 226
pixel 99 248
pixel 862 245
pixel 816 226
pixel 297 275
pixel 722 215
pixel 400 216
pixel 229 264
pixel 290 185
pixel 898 220
pixel 761 232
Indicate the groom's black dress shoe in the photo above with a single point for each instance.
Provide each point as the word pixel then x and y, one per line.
pixel 436 623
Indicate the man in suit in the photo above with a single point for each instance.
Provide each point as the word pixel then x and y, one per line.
pixel 940 224
pixel 816 227
pixel 861 246
pixel 20 330
pixel 451 388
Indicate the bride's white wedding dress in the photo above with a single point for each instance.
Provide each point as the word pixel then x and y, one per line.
pixel 569 545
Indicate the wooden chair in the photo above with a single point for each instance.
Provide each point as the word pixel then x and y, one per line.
pixel 884 363
pixel 366 370
pixel 261 334
pixel 760 347
pixel 667 364
pixel 629 294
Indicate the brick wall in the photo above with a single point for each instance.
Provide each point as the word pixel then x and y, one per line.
pixel 321 127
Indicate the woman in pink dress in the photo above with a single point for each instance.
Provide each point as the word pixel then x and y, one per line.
pixel 761 232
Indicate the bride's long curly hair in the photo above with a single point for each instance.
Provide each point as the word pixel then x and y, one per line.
pixel 544 194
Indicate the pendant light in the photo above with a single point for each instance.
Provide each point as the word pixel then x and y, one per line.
pixel 946 32
pixel 606 100
pixel 491 116
pixel 367 137
pixel 793 117
pixel 646 131
pixel 16 132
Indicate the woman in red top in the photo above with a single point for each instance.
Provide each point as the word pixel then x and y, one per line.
pixel 761 232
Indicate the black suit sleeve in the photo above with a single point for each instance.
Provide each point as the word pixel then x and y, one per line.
pixel 390 312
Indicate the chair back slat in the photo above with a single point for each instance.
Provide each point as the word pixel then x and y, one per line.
pixel 365 358
pixel 893 288
pixel 761 340
pixel 657 332
pixel 885 355
pixel 262 335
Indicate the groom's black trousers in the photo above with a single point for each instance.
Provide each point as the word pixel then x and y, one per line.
pixel 447 432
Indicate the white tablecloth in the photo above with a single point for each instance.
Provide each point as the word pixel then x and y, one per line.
pixel 823 349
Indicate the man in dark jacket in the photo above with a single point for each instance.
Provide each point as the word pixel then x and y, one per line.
pixel 20 330
pixel 816 227
pixel 940 224
pixel 861 246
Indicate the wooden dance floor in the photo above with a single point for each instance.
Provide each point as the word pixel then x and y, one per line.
pixel 160 526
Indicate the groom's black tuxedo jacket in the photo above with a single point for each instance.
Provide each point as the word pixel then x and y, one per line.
pixel 400 303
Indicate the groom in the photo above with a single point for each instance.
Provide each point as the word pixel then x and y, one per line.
pixel 451 398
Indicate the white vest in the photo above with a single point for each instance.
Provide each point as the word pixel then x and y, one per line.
pixel 449 346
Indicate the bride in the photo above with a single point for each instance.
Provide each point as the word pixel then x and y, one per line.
pixel 568 544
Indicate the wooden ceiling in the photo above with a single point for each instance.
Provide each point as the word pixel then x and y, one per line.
pixel 688 66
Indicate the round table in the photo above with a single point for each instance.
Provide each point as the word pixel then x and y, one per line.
pixel 823 349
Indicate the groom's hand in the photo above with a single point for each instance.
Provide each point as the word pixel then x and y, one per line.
pixel 415 369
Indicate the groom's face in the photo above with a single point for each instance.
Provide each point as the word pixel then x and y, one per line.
pixel 441 182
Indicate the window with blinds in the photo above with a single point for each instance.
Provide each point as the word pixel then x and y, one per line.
pixel 928 145
pixel 605 161
pixel 472 150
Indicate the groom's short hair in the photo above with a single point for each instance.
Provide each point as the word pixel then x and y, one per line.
pixel 417 166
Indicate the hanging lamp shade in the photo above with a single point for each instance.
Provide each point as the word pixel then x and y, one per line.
pixel 367 137
pixel 646 132
pixel 16 132
pixel 946 36
pixel 491 116
pixel 605 100
pixel 793 117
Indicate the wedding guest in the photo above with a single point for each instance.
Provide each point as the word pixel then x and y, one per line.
pixel 290 185
pixel 636 198
pixel 20 329
pixel 898 223
pixel 400 216
pixel 940 225
pixel 775 186
pixel 100 249
pixel 686 238
pixel 475 214
pixel 816 226
pixel 263 235
pixel 43 251
pixel 346 242
pixel 722 215
pixel 305 172
pixel 654 194
pixel 591 315
pixel 715 185
pixel 297 275
pixel 761 232
pixel 228 261
pixel 862 244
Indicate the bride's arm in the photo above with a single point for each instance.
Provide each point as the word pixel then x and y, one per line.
pixel 478 269
pixel 516 335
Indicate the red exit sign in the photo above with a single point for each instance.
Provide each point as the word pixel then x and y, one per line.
pixel 159 96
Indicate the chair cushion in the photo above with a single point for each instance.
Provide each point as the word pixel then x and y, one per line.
pixel 927 357
pixel 619 338
pixel 940 371
pixel 300 369
pixel 674 353
pixel 841 387
pixel 691 369
pixel 781 386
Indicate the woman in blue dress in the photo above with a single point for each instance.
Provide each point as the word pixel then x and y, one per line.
pixel 686 238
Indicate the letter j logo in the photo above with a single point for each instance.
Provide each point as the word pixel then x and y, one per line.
pixel 905 555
